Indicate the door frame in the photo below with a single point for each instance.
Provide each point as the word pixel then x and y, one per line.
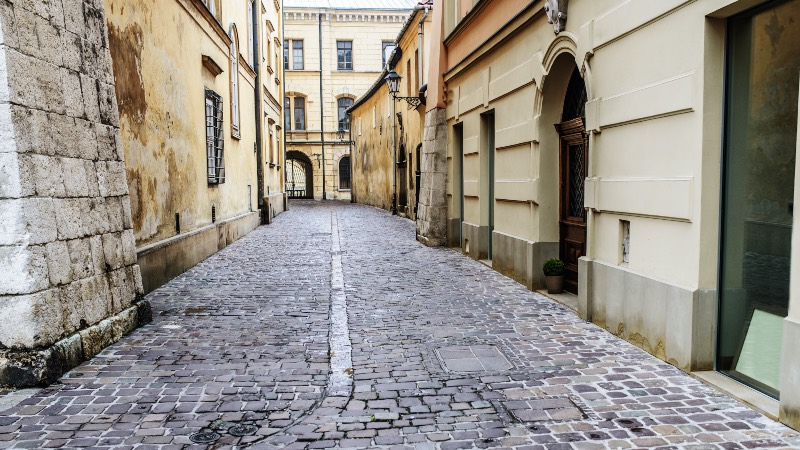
pixel 570 132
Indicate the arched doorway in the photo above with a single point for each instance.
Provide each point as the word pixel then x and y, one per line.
pixel 573 169
pixel 299 175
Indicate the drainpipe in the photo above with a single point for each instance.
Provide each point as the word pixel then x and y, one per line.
pixel 283 91
pixel 420 46
pixel 394 156
pixel 259 162
pixel 321 105
pixel 352 172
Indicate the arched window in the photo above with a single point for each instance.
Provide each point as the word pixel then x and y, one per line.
pixel 234 35
pixel 344 173
pixel 344 119
pixel 251 45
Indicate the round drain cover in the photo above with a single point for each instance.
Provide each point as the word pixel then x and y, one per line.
pixel 204 437
pixel 242 430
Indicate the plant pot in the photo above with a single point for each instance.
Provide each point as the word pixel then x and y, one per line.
pixel 555 284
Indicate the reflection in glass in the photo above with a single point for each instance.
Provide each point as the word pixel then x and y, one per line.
pixel 763 67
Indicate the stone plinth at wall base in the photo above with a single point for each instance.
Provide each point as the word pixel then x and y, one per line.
pixel 454 232
pixel 40 367
pixel 520 259
pixel 165 260
pixel 675 324
pixel 275 204
pixel 790 374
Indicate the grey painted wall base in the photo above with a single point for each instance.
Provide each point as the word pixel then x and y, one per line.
pixel 167 259
pixel 275 204
pixel 790 374
pixel 454 232
pixel 670 322
pixel 476 241
pixel 521 260
pixel 40 367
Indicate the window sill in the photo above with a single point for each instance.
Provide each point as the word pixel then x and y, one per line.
pixel 345 190
pixel 236 135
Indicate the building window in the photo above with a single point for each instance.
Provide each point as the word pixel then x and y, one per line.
pixel 299 113
pixel 344 173
pixel 213 8
pixel 287 113
pixel 344 119
pixel 297 55
pixel 214 140
pixel 344 55
pixel 286 55
pixel 234 75
pixel 251 44
pixel 387 49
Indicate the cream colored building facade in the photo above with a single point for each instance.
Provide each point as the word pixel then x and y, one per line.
pixel 650 145
pixel 352 36
pixel 202 159
pixel 388 132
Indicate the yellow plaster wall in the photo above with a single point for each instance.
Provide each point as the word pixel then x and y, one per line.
pixel 156 49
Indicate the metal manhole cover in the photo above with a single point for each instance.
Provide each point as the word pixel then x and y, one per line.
pixel 473 358
pixel 242 430
pixel 204 437
pixel 545 409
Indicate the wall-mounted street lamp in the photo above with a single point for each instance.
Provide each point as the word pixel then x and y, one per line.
pixel 393 80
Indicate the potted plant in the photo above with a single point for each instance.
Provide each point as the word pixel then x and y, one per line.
pixel 554 275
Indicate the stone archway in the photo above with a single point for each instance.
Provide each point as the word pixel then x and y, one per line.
pixel 299 175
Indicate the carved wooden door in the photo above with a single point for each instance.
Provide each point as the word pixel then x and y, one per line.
pixel 572 221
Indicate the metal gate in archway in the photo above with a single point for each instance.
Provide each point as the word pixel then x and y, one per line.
pixel 299 176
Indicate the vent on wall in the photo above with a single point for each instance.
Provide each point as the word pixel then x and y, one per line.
pixel 625 241
pixel 213 214
pixel 177 223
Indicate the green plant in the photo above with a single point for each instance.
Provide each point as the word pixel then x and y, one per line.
pixel 553 267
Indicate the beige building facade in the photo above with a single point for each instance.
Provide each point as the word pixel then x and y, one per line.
pixel 199 88
pixel 333 52
pixel 387 129
pixel 659 165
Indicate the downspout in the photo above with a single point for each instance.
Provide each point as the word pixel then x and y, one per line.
pixel 421 47
pixel 283 92
pixel 321 106
pixel 352 172
pixel 259 162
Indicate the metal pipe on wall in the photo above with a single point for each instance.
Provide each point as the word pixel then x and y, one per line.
pixel 262 209
pixel 321 105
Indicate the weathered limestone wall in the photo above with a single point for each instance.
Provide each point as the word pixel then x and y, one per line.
pixel 432 210
pixel 70 285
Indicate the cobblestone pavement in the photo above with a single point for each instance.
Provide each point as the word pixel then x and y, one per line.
pixel 445 354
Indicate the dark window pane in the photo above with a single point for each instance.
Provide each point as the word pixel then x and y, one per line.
pixel 344 119
pixel 299 113
pixel 287 113
pixel 297 55
pixel 344 173
pixel 286 55
pixel 344 55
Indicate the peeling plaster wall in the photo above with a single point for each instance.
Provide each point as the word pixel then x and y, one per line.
pixel 157 50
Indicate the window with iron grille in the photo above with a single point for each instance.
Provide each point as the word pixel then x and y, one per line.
pixel 214 139
pixel 344 173
pixel 344 55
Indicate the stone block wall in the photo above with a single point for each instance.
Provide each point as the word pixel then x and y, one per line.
pixel 69 283
pixel 432 209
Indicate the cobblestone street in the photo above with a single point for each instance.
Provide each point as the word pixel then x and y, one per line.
pixel 333 327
